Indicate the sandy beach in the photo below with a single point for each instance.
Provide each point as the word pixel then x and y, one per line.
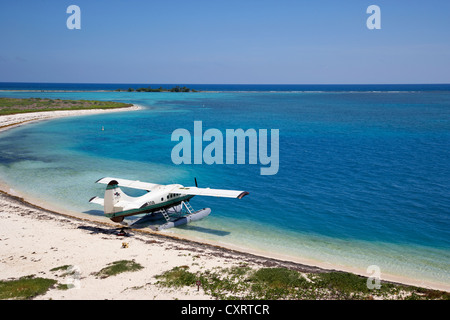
pixel 36 238
pixel 14 120
pixel 35 241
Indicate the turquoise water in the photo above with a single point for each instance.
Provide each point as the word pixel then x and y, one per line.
pixel 363 177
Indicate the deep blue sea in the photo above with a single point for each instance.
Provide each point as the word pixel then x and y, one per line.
pixel 363 179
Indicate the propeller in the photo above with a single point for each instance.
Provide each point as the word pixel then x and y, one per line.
pixel 195 179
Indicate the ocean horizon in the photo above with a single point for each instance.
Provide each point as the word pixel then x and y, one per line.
pixel 363 169
pixel 223 87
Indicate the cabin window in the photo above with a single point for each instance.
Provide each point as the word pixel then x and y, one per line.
pixel 162 199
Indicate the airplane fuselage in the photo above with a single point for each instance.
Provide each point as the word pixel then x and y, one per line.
pixel 159 198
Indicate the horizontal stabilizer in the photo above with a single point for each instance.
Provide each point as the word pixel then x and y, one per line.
pixel 135 184
pixel 97 200
pixel 210 192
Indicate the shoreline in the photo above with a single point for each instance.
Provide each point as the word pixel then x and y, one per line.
pixel 82 217
pixel 172 251
pixel 15 120
pixel 263 258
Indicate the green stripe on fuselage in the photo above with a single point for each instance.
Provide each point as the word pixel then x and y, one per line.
pixel 152 208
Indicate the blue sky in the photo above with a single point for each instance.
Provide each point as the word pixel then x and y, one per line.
pixel 246 41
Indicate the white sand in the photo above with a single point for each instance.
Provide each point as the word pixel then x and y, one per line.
pixel 14 120
pixel 34 241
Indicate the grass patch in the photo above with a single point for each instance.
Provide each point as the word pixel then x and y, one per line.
pixel 62 286
pixel 117 267
pixel 178 277
pixel 10 106
pixel 278 277
pixel 25 287
pixel 61 268
pixel 283 283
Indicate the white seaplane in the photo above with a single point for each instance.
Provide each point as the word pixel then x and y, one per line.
pixel 164 200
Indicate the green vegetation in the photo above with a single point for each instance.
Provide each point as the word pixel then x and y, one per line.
pixel 241 282
pixel 61 268
pixel 281 283
pixel 178 277
pixel 160 89
pixel 29 287
pixel 117 267
pixel 13 105
pixel 66 270
pixel 25 287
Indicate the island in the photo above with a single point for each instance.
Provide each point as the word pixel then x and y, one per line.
pixel 160 89
pixel 10 106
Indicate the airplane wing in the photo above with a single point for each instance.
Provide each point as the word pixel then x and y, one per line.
pixel 210 192
pixel 135 184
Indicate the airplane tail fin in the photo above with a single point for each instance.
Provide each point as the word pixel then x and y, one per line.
pixel 113 195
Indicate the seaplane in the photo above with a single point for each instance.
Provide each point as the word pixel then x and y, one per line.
pixel 170 202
